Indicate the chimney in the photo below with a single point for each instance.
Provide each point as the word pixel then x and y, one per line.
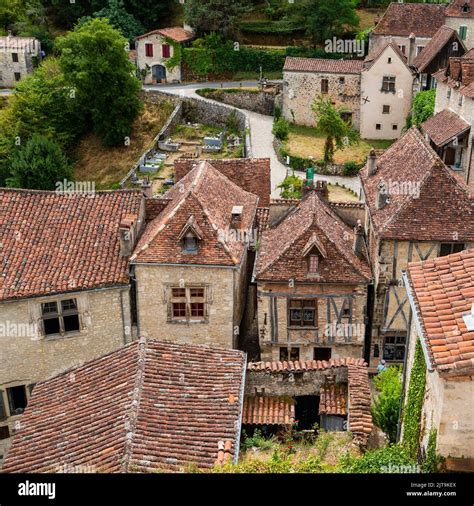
pixel 382 198
pixel 127 234
pixel 411 48
pixel 467 71
pixel 236 218
pixel 455 68
pixel 371 163
pixel 359 241
pixel 147 188
pixel 321 188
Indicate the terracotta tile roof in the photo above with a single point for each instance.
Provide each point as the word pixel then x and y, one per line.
pixel 374 55
pixel 265 410
pixel 454 9
pixel 303 365
pixel 443 291
pixel 251 174
pixel 359 403
pixel 459 74
pixel 177 33
pixel 208 197
pixel 263 213
pixel 280 255
pixel 442 37
pixel 422 19
pixel 296 64
pixel 444 126
pixel 55 243
pixel 153 207
pixel 146 406
pixel 333 399
pixel 415 210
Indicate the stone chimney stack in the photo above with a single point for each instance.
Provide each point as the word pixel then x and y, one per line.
pixel 371 163
pixel 127 233
pixel 236 216
pixel 147 188
pixel 382 198
pixel 411 48
pixel 359 241
pixel 455 68
pixel 467 71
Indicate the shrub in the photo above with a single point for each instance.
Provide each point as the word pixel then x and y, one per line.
pixel 257 441
pixel 422 108
pixel 386 407
pixel 277 112
pixel 351 168
pixel 292 187
pixel 281 129
pixel 393 458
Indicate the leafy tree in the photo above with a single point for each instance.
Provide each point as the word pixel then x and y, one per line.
pixel 339 134
pixel 97 67
pixel 281 129
pixel 386 406
pixel 292 187
pixel 150 13
pixel 119 18
pixel 422 108
pixel 39 165
pixel 220 16
pixel 66 13
pixel 324 20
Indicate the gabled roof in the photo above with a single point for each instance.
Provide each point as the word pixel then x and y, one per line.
pixel 422 19
pixel 209 196
pixel 177 33
pixel 280 255
pixel 443 291
pixel 435 45
pixel 444 126
pixel 56 243
pixel 427 201
pixel 373 56
pixel 251 174
pixel 459 74
pixel 146 406
pixel 331 66
pixel 455 9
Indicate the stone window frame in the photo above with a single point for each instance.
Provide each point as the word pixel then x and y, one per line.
pixel 17 76
pixel 294 355
pixel 187 300
pixel 15 58
pixel 310 304
pixel 5 400
pixel 149 49
pixel 63 334
pixel 325 86
pixel 389 84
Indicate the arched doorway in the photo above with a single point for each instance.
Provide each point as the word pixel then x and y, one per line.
pixel 158 73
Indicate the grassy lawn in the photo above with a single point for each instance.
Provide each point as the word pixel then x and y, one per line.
pixel 367 17
pixel 307 142
pixel 107 166
pixel 340 194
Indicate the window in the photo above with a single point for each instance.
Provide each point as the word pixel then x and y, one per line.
pixel 188 303
pixel 324 86
pixel 148 49
pixel 294 354
pixel 448 248
pixel 460 99
pixel 3 411
pixel 4 432
pixel 16 399
pixel 419 49
pixel 448 93
pixel 342 80
pixel 322 353
pixel 17 76
pixel 463 32
pixel 389 60
pixel 394 348
pixel 190 243
pixel 378 126
pixel 313 263
pixel 166 50
pixel 388 84
pixel 385 109
pixel 465 8
pixel 60 317
pixel 15 57
pixel 302 313
pixel 394 127
pixel 402 48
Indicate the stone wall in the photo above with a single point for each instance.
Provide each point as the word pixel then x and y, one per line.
pixel 301 88
pixel 262 102
pixel 23 66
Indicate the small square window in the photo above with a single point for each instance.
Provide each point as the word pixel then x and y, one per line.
pixel 15 57
pixel 197 292
pixel 394 127
pixel 389 60
pixel 179 309
pixel 17 76
pixel 4 432
pixel 17 399
pixel 322 354
pixel 69 305
pixel 50 308
pixel 197 309
pixel 378 126
pixel 294 354
pixel 385 109
pixel 342 80
pixel 179 292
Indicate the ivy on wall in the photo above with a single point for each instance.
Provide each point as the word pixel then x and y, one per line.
pixel 431 461
pixel 175 60
pixel 414 403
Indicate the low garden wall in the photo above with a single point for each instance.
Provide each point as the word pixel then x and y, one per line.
pixel 262 102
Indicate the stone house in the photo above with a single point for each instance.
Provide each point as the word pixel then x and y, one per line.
pixel 335 394
pixel 305 79
pixel 386 92
pixel 408 25
pixel 65 289
pixel 191 266
pixel 444 44
pixel 449 130
pixel 441 295
pixel 312 276
pixel 416 209
pixel 154 50
pixel 136 409
pixel 17 58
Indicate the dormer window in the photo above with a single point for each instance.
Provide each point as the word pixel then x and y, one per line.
pixel 190 243
pixel 313 252
pixel 313 264
pixel 465 8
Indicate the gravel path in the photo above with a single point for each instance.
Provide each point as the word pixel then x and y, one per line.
pixel 260 133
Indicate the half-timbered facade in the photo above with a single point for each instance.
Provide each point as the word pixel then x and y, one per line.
pixel 416 209
pixel 312 277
